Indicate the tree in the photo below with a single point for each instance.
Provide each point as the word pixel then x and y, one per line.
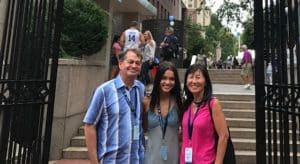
pixel 217 33
pixel 248 34
pixel 232 11
pixel 85 28
pixel 194 38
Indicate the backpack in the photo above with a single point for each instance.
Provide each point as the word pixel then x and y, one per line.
pixel 229 157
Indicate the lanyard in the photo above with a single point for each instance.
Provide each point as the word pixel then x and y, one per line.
pixel 163 124
pixel 132 108
pixel 191 125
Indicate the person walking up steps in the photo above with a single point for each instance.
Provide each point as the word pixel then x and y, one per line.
pixel 246 71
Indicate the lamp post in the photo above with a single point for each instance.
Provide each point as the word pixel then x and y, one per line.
pixel 239 42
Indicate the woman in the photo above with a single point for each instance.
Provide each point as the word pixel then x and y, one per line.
pixel 115 51
pixel 148 56
pixel 198 126
pixel 162 117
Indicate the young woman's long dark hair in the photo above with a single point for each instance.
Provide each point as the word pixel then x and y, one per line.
pixel 207 89
pixel 176 90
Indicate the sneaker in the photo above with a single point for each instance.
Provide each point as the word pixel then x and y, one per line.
pixel 248 86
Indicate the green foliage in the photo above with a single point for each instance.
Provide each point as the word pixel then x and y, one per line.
pixel 216 33
pixel 232 11
pixel 195 41
pixel 248 34
pixel 228 42
pixel 85 28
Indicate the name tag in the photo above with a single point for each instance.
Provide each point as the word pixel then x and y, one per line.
pixel 188 156
pixel 136 132
pixel 164 152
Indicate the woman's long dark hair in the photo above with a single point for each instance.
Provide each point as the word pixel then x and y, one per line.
pixel 176 90
pixel 207 89
pixel 115 39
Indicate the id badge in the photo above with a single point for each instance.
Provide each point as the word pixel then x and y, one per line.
pixel 164 152
pixel 188 155
pixel 136 132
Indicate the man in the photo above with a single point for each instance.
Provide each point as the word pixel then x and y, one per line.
pixel 246 67
pixel 169 45
pixel 112 122
pixel 132 37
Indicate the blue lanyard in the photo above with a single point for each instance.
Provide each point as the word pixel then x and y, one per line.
pixel 163 124
pixel 132 108
pixel 191 125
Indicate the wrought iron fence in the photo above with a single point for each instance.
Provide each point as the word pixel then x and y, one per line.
pixel 28 67
pixel 277 91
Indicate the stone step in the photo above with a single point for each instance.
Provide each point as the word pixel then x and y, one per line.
pixel 234 97
pixel 245 157
pixel 78 141
pixel 244 133
pixel 81 131
pixel 75 153
pixel 238 105
pixel 70 161
pixel 226 82
pixel 214 73
pixel 241 122
pixel 226 78
pixel 239 113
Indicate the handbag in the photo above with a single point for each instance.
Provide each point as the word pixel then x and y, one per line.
pixel 229 157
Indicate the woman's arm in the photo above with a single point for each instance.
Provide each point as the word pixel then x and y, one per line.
pixel 221 129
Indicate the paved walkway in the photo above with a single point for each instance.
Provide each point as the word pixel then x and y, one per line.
pixel 71 161
pixel 233 89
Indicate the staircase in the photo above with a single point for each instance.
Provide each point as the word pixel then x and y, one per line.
pixel 225 76
pixel 219 76
pixel 240 115
pixel 239 111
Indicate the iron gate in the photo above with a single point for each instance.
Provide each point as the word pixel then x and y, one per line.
pixel 277 90
pixel 28 67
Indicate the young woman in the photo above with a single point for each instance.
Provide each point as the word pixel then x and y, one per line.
pixel 198 126
pixel 115 51
pixel 148 56
pixel 161 118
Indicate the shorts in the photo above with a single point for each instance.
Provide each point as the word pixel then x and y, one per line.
pixel 114 60
pixel 246 69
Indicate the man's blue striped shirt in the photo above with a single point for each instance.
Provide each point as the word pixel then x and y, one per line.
pixel 110 112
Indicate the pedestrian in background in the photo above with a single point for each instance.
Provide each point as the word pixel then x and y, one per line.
pixel 246 71
pixel 161 117
pixel 114 58
pixel 148 56
pixel 199 128
pixel 132 38
pixel 112 123
pixel 169 46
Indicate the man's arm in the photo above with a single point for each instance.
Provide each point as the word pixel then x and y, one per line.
pixel 91 142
